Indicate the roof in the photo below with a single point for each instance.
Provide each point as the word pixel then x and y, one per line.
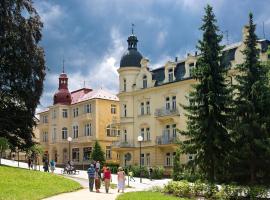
pixel 131 58
pixel 85 94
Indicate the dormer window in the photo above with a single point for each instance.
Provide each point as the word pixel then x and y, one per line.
pixel 144 81
pixel 170 75
pixel 125 85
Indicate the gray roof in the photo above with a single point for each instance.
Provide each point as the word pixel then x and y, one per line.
pixel 131 57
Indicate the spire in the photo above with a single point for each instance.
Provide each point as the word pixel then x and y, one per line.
pixel 132 39
pixel 63 65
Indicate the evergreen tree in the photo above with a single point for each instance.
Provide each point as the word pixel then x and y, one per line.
pixel 22 70
pixel 98 154
pixel 208 111
pixel 177 169
pixel 252 114
pixel 3 146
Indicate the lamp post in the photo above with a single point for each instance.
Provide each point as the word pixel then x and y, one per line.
pixel 140 139
pixel 69 141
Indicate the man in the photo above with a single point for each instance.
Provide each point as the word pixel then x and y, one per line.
pixel 150 173
pixel 91 176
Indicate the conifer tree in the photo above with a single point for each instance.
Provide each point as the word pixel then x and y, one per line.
pixel 208 109
pixel 98 154
pixel 252 114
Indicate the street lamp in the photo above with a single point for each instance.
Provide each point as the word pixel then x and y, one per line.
pixel 140 139
pixel 69 140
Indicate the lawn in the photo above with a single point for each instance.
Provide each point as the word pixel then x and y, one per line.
pixel 147 196
pixel 23 184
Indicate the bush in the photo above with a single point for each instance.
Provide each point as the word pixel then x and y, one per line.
pixel 156 174
pixel 178 188
pixel 256 192
pixel 113 167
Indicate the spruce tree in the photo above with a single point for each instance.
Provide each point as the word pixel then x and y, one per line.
pixel 208 109
pixel 98 154
pixel 22 71
pixel 252 114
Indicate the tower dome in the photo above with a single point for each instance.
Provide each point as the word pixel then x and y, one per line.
pixel 62 96
pixel 132 57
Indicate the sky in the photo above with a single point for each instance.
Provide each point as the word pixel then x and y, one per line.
pixel 90 35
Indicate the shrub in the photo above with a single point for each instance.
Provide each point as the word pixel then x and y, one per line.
pixel 178 188
pixel 158 173
pixel 198 188
pixel 256 192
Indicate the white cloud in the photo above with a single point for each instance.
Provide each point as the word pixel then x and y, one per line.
pixel 161 37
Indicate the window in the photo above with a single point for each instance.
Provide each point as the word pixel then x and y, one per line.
pixel 113 109
pixel 148 107
pixel 174 103
pixel 65 113
pixel 45 119
pixel 45 136
pixel 87 108
pixel 142 108
pixel 54 114
pixel 117 156
pixel 167 103
pixel 174 131
pixel 147 134
pixel 75 112
pixel 75 131
pixel 76 154
pixel 108 152
pixel 54 134
pixel 125 85
pixel 144 81
pixel 148 159
pixel 87 153
pixel 64 133
pixel 87 130
pixel 112 130
pixel 168 159
pixel 167 133
pixel 142 159
pixel 125 135
pixel 125 110
pixel 170 75
pixel 142 133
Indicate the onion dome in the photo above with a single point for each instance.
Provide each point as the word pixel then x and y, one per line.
pixel 62 96
pixel 132 57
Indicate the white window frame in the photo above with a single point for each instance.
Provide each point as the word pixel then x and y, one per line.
pixel 87 129
pixel 65 113
pixel 142 108
pixel 144 81
pixel 87 108
pixel 148 107
pixel 173 102
pixel 170 75
pixel 167 103
pixel 108 152
pixel 148 136
pixel 64 133
pixel 75 131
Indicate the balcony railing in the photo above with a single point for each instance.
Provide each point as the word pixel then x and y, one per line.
pixel 165 140
pixel 122 144
pixel 160 112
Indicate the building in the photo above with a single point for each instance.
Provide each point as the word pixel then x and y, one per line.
pixel 85 115
pixel 150 102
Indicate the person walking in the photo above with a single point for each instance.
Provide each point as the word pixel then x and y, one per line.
pixel 97 181
pixel 52 165
pixel 131 176
pixel 150 173
pixel 29 163
pixel 91 176
pixel 107 179
pixel 121 179
pixel 46 166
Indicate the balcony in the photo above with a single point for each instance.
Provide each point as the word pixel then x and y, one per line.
pixel 85 117
pixel 164 114
pixel 122 144
pixel 165 140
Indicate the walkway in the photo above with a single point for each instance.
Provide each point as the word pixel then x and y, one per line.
pixel 82 178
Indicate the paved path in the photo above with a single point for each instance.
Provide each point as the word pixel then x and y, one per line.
pixel 84 194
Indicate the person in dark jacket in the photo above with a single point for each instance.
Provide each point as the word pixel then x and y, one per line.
pixel 91 176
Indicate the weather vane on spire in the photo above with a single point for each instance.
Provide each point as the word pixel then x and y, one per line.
pixel 132 28
pixel 63 65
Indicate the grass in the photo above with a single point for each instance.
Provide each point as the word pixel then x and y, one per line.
pixel 145 195
pixel 23 184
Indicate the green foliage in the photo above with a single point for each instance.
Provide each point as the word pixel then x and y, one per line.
pixel 113 167
pixel 252 116
pixel 4 145
pixel 16 183
pixel 22 71
pixel 98 154
pixel 211 191
pixel 147 195
pixel 177 169
pixel 158 172
pixel 208 112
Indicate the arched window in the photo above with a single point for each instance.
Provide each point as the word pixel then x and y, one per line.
pixel 125 85
pixel 64 133
pixel 144 81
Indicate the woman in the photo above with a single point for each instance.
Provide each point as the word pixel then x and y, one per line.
pixel 97 181
pixel 52 165
pixel 121 179
pixel 107 178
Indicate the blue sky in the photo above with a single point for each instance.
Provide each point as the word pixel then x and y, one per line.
pixel 91 34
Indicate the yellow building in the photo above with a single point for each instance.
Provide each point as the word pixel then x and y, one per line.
pixel 85 115
pixel 150 103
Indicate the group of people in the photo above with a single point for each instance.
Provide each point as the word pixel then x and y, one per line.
pixel 95 177
pixel 49 165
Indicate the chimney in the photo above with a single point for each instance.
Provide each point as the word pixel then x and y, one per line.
pixel 244 33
